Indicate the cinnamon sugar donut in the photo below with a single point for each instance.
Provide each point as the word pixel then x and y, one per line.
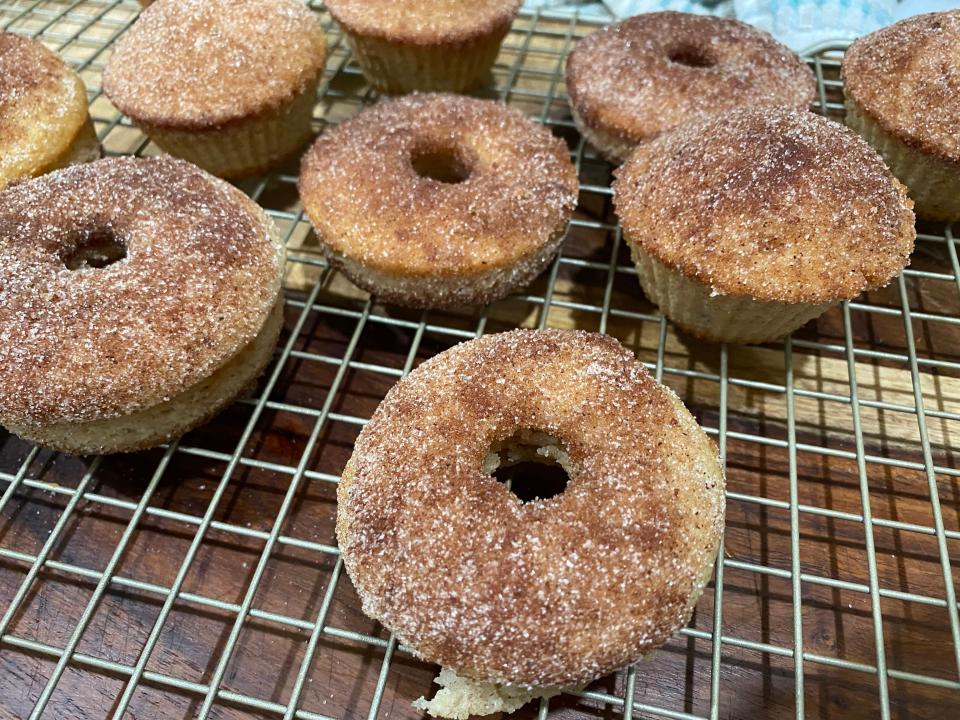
pixel 137 298
pixel 902 90
pixel 748 225
pixel 434 200
pixel 549 592
pixel 637 78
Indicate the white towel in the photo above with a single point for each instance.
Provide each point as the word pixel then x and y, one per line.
pixel 804 24
pixel 800 24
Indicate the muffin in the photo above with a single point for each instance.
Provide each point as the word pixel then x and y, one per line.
pixel 44 123
pixel 407 45
pixel 902 90
pixel 635 79
pixel 229 85
pixel 748 225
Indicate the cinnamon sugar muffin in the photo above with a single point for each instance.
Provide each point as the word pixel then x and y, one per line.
pixel 902 90
pixel 44 123
pixel 746 226
pixel 138 297
pixel 433 200
pixel 516 598
pixel 209 81
pixel 637 78
pixel 407 45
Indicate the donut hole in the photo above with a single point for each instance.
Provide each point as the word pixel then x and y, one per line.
pixel 446 165
pixel 532 464
pixel 95 249
pixel 691 56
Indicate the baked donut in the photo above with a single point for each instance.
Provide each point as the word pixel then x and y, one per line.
pixel 229 85
pixel 902 90
pixel 44 122
pixel 748 225
pixel 549 592
pixel 138 297
pixel 433 200
pixel 637 78
pixel 407 45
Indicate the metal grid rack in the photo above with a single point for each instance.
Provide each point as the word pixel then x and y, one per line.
pixel 202 579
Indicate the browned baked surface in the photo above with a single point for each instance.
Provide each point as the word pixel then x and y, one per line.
pixel 773 203
pixel 907 78
pixel 548 592
pixel 28 68
pixel 423 23
pixel 636 78
pixel 43 105
pixel 367 202
pixel 200 276
pixel 194 64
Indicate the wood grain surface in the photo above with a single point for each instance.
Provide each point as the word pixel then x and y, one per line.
pixel 757 667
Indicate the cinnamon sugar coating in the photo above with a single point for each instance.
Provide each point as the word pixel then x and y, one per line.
pixel 637 78
pixel 419 23
pixel 43 106
pixel 770 203
pixel 29 71
pixel 369 205
pixel 200 275
pixel 549 592
pixel 906 77
pixel 196 64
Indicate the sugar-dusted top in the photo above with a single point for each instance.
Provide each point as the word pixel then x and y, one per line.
pixel 906 77
pixel 773 203
pixel 43 105
pixel 201 273
pixel 367 202
pixel 639 77
pixel 422 23
pixel 194 64
pixel 550 592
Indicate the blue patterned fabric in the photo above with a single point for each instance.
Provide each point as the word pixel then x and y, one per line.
pixel 626 8
pixel 801 24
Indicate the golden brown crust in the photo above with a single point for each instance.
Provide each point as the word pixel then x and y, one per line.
pixel 196 64
pixel 906 77
pixel 413 22
pixel 368 204
pixel 43 107
pixel 623 82
pixel 775 204
pixel 201 273
pixel 549 592
pixel 172 418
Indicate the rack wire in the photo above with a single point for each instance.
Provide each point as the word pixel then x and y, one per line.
pixel 203 579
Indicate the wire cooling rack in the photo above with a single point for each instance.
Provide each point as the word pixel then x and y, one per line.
pixel 202 579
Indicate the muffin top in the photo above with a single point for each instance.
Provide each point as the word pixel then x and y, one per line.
pixel 195 64
pixel 43 104
pixel 647 74
pixel 423 23
pixel 907 78
pixel 771 203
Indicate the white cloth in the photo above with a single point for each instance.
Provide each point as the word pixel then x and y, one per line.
pixel 804 24
pixel 800 24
